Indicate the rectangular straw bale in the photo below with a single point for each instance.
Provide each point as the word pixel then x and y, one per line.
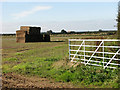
pixel 20 34
pixel 34 30
pixel 34 38
pixel 20 39
pixel 24 27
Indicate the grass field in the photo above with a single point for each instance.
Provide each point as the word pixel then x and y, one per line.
pixel 50 60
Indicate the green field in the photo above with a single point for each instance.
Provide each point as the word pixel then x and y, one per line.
pixel 50 60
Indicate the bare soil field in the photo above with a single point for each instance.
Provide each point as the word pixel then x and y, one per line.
pixel 13 80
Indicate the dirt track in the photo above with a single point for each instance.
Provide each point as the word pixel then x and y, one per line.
pixel 11 80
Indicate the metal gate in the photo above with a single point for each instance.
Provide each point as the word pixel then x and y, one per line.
pixel 96 52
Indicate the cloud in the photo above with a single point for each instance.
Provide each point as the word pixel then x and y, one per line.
pixel 86 25
pixel 32 11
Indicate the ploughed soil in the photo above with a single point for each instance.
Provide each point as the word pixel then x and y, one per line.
pixel 13 80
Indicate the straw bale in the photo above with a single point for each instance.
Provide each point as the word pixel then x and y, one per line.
pixel 20 33
pixel 34 38
pixel 20 39
pixel 24 27
pixel 34 30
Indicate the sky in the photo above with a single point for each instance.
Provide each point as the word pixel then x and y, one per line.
pixel 55 16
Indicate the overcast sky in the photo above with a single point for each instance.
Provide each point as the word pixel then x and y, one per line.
pixel 78 16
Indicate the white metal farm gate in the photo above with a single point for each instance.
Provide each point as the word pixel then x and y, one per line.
pixel 97 52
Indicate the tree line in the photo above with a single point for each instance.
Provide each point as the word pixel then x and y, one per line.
pixel 110 32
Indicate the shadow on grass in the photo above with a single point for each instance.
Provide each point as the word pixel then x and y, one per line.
pixel 44 41
pixel 57 41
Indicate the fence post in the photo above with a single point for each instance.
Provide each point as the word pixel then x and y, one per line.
pixel 84 52
pixel 103 53
pixel 69 50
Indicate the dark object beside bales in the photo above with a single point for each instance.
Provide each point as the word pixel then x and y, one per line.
pixel 46 38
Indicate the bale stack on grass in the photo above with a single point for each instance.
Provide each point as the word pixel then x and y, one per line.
pixel 31 34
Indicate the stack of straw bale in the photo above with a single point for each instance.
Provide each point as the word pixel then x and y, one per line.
pixel 31 34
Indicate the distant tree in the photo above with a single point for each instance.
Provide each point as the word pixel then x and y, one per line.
pixel 72 32
pixel 49 32
pixel 100 30
pixel 63 31
pixel 118 27
pixel 118 20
